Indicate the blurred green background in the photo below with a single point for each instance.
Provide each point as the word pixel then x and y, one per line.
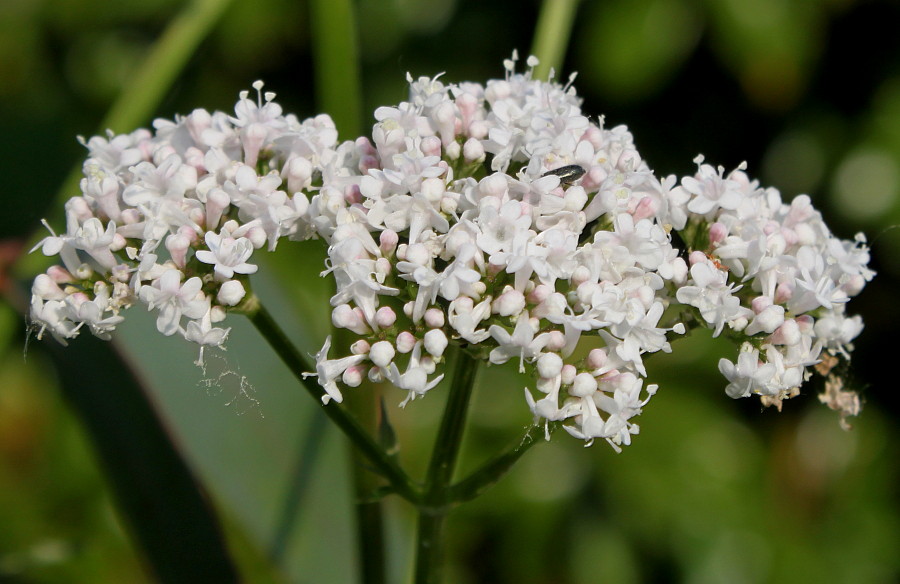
pixel 712 490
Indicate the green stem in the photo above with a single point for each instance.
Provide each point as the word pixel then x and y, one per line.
pixel 434 506
pixel 336 64
pixel 369 512
pixel 551 37
pixel 486 476
pixel 297 363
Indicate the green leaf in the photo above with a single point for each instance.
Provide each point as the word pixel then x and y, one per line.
pixel 166 508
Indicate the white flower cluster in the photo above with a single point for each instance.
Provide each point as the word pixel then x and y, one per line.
pixel 494 216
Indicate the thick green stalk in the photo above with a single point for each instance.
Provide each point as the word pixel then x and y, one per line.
pixel 297 363
pixel 551 37
pixel 336 64
pixel 435 503
pixel 369 512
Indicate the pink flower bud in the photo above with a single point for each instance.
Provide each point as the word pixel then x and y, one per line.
pixel 434 317
pixel 230 293
pixel 717 233
pixel 385 317
pixel 405 342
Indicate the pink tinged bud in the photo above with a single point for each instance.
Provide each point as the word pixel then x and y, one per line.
pixel 568 374
pixel 431 146
pixel 594 136
pixel 230 293
pixel 193 156
pixel 252 139
pixel 365 146
pixel 178 245
pixel 556 341
pixel 353 376
pixel 435 342
pixel 453 150
pixel 445 116
pixel 584 385
pixel 697 257
pixel 385 317
pixel 131 216
pixel 360 347
pixel 467 104
pixel 434 318
pixel 679 271
pixel 479 129
pixel 449 204
pixel 575 198
pixel 597 358
pixel 375 375
pixel 717 232
pixel 433 188
pixel 405 342
pixel 298 173
pixel 473 150
pixel 59 274
pixel 783 293
pixel 645 209
pixel 367 163
pixel 806 323
pixel 387 241
pixel 767 320
pixel 257 236
pixel 352 195
pixel 418 254
pixel 806 234
pixel 787 334
pixel 382 353
pixel 541 292
pixel 549 365
pixel 853 285
pixel 79 207
pixel 382 268
pixel 594 177
pixel 118 242
pixel 493 186
pixel 509 303
pixel 343 316
pixel 46 289
pixel 216 314
pixel 217 201
pixel 760 303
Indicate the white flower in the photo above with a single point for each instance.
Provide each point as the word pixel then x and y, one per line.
pixel 228 255
pixel 173 300
pixel 328 370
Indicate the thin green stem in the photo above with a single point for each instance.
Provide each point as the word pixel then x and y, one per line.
pixel 551 37
pixel 336 64
pixel 297 363
pixel 434 506
pixel 487 475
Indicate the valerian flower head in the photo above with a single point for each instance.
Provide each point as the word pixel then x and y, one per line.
pixel 496 217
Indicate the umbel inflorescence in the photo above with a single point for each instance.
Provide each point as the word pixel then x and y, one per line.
pixel 497 217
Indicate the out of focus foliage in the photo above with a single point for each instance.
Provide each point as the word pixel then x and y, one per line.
pixel 713 490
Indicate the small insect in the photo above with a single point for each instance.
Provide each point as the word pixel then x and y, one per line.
pixel 567 174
